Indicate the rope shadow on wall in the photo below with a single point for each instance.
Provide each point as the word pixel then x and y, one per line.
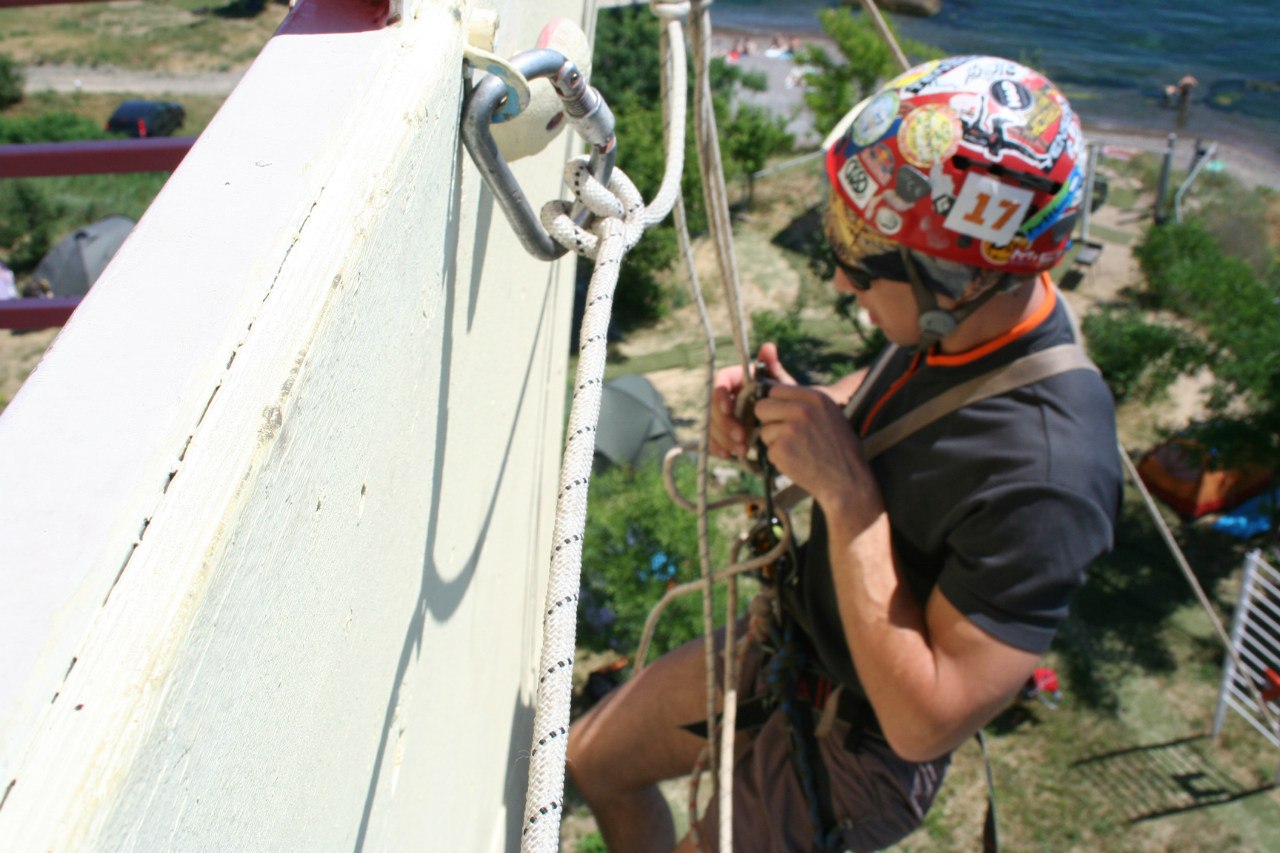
pixel 437 597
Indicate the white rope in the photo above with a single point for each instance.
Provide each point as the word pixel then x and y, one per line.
pixel 618 229
pixel 675 98
pixel 621 219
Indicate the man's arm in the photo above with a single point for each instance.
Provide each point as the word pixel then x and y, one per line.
pixel 841 391
pixel 932 676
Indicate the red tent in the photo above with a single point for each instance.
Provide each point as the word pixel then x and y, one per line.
pixel 1180 473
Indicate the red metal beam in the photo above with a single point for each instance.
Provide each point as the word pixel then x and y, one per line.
pixel 314 17
pixel 9 4
pixel 37 313
pixel 99 157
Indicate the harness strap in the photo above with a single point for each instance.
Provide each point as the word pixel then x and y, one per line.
pixel 1023 371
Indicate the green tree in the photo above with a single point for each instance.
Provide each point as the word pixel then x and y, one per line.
pixel 626 70
pixel 26 217
pixel 1235 315
pixel 1116 333
pixel 837 84
pixel 638 543
pixel 751 137
pixel 12 81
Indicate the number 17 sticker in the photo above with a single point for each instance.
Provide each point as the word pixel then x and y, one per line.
pixel 989 210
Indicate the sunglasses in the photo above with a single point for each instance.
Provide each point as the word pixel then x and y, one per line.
pixel 892 266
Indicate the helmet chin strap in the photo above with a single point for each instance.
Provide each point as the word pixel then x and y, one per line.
pixel 937 322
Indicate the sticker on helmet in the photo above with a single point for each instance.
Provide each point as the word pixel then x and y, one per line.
pixel 875 119
pixel 878 161
pixel 929 134
pixel 1011 93
pixel 969 108
pixel 906 78
pixel 911 185
pixel 918 80
pixel 1046 112
pixel 888 221
pixel 857 183
pixel 1002 255
pixel 943 189
pixel 988 209
pixel 980 68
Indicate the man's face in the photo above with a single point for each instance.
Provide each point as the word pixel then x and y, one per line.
pixel 886 297
pixel 890 305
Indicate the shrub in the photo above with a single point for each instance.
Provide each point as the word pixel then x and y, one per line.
pixel 1139 359
pixel 12 81
pixel 800 352
pixel 49 127
pixel 637 543
pixel 26 217
pixel 1237 317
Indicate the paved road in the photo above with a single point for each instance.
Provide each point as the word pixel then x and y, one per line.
pixel 70 78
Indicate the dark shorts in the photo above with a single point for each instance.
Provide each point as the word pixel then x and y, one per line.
pixel 877 797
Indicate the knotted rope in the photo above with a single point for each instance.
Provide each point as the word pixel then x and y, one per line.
pixel 620 224
pixel 621 217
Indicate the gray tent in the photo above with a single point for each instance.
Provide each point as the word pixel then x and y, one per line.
pixel 74 264
pixel 634 422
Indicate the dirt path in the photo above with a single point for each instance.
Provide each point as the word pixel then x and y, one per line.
pixel 76 78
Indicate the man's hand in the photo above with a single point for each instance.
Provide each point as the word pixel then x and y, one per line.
pixel 810 441
pixel 729 435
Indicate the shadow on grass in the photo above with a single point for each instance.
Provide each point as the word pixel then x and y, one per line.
pixel 1157 780
pixel 1119 619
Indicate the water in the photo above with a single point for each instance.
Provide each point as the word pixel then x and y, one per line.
pixel 1112 59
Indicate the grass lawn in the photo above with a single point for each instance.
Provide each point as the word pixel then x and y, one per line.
pixel 160 36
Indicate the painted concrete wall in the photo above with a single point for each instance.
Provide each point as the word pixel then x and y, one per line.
pixel 278 500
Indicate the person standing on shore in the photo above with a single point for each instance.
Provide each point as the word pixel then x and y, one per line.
pixel 937 572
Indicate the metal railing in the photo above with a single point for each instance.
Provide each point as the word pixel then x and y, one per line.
pixel 58 159
pixel 1255 637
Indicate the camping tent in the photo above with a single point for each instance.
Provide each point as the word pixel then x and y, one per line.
pixel 634 422
pixel 1180 473
pixel 74 264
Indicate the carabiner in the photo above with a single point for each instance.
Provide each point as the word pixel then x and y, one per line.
pixel 585 109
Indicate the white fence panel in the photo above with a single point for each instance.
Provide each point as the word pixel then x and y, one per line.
pixel 1255 638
